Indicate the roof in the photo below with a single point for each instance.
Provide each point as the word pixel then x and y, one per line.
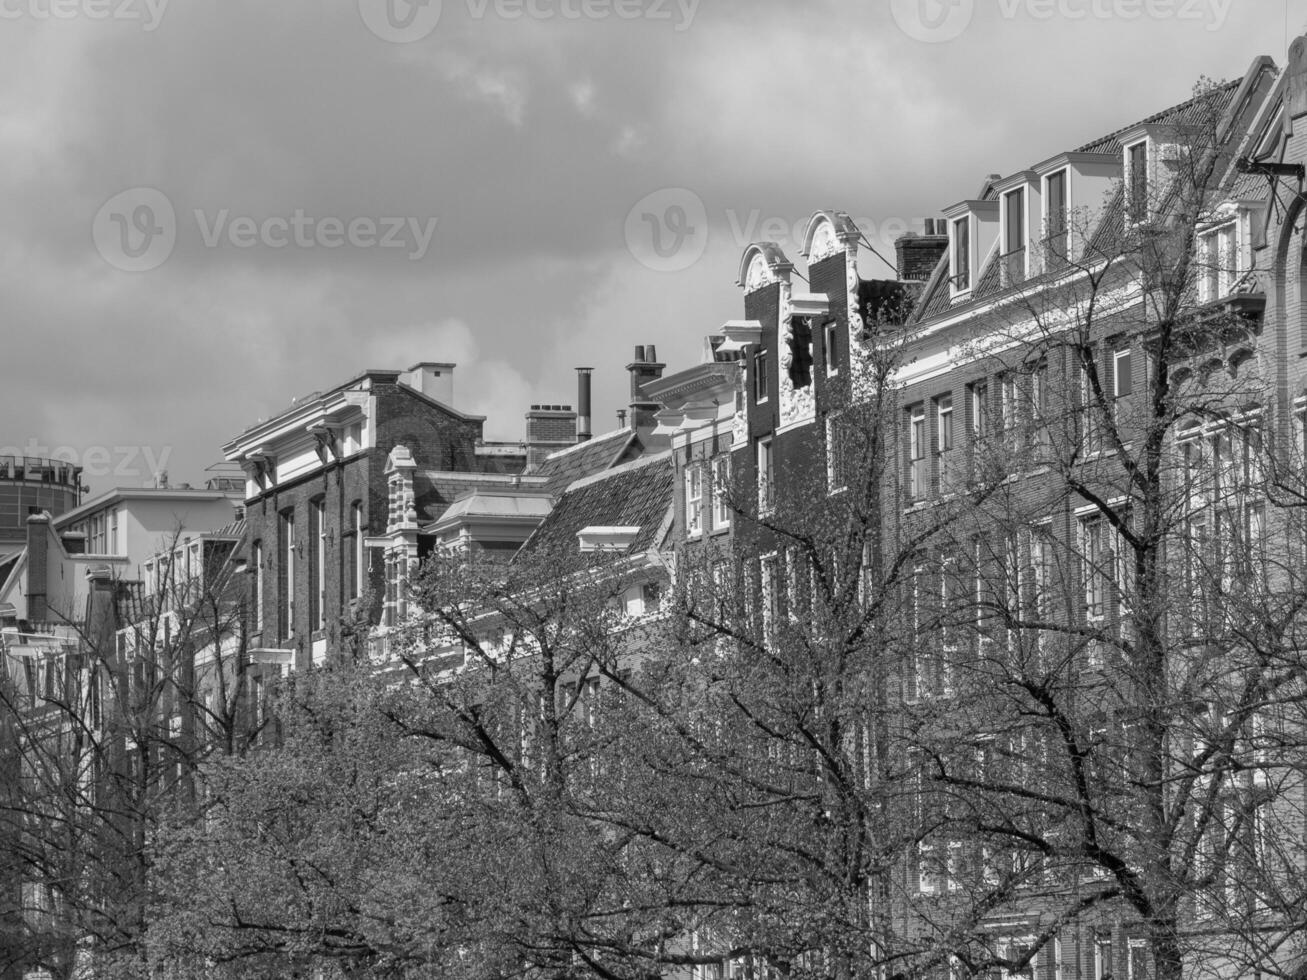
pixel 120 494
pixel 593 456
pixel 936 298
pixel 635 495
pixel 1196 109
pixel 498 505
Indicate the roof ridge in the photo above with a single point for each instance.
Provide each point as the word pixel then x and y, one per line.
pixel 1220 89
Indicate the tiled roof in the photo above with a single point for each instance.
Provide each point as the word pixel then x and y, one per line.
pixel 600 453
pixel 1105 239
pixel 638 495
pixel 1198 108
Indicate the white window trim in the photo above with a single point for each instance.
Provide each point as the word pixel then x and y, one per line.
pixel 1003 233
pixel 1131 220
pixel 956 291
pixel 694 499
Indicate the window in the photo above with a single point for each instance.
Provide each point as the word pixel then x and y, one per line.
pixel 318 565
pixel 1136 175
pixel 1009 410
pixel 256 569
pixel 944 437
pixel 766 476
pixel 360 531
pixel 1138 962
pixel 1055 221
pixel 770 581
pixel 1091 408
pixel 1096 557
pixel 1218 263
pixel 1039 435
pixel 979 412
pixel 287 576
pixel 113 545
pixel 693 499
pixel 961 255
pixel 719 491
pixel 1122 381
pixel 831 342
pixel 836 462
pixel 1014 237
pixel 760 375
pixel 918 474
pixel 1103 958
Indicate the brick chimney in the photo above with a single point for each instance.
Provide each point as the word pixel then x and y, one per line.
pixel 549 428
pixel 918 254
pixel 644 368
pixel 38 558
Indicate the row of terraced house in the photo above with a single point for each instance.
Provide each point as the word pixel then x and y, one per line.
pixel 973 429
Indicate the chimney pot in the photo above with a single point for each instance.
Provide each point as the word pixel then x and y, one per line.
pixel 639 354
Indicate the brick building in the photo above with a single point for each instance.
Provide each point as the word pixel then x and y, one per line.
pixel 317 488
pixel 1011 547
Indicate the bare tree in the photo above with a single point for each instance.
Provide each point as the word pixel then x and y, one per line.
pixel 107 718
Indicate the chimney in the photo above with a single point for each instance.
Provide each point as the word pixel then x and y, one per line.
pixel 621 418
pixel 644 368
pixel 583 431
pixel 918 254
pixel 434 379
pixel 38 557
pixel 549 428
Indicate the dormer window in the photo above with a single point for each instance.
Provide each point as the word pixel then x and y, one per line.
pixel 1136 181
pixel 960 258
pixel 1055 220
pixel 1014 237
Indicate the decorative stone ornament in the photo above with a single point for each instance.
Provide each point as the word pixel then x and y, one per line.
pixel 1297 72
pixel 829 233
pixel 763 264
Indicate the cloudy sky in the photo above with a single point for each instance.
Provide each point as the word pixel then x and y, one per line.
pixel 211 206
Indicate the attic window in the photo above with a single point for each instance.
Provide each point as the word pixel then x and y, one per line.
pixel 600 537
pixel 961 255
pixel 1136 175
pixel 800 352
pixel 1055 220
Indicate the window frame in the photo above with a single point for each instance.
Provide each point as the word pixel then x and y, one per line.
pixel 960 255
pixel 765 462
pixel 693 488
pixel 1056 219
pixel 1136 181
pixel 1014 270
pixel 719 510
pixel 918 453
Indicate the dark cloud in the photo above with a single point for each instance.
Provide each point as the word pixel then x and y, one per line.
pixel 528 140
